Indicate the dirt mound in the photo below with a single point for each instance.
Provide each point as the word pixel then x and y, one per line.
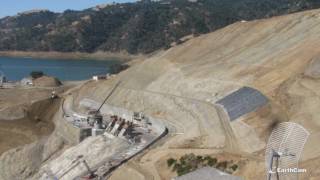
pixel 27 135
pixel 47 81
pixel 23 161
pixel 31 127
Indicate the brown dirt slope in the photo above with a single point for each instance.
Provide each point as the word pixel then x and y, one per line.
pixel 46 81
pixel 179 86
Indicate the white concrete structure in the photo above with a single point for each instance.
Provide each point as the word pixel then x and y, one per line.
pixel 121 134
pixel 2 79
pixel 100 77
pixel 27 81
pixel 133 143
pixel 116 126
pixel 97 132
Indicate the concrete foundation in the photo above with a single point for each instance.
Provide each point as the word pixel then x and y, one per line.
pixel 97 132
pixel 121 134
pixel 84 133
pixel 114 129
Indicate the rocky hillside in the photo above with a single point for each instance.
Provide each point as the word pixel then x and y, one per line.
pixel 140 27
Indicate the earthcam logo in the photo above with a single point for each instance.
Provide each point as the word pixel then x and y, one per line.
pixel 285 145
pixel 287 170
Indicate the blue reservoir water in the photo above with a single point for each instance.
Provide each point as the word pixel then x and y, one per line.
pixel 17 68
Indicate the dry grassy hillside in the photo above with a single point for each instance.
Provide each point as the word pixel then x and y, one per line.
pixel 182 84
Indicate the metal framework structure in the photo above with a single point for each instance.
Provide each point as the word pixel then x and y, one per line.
pixel 108 96
pixel 284 149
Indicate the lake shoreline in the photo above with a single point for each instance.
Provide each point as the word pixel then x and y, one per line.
pixel 101 56
pixel 17 68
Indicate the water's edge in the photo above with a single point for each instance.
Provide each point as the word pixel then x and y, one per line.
pixel 16 68
pixel 103 56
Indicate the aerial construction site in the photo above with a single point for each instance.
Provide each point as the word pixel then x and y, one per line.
pixel 218 95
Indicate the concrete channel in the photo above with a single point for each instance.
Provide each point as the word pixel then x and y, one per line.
pixel 145 131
